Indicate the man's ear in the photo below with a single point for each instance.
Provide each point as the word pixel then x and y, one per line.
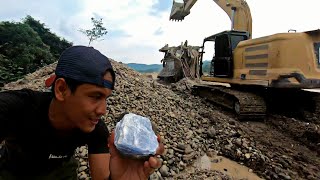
pixel 60 89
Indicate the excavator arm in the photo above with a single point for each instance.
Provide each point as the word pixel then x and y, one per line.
pixel 237 10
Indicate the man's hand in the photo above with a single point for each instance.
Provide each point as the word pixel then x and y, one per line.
pixel 124 168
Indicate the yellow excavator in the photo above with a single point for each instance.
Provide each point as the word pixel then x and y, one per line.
pixel 271 73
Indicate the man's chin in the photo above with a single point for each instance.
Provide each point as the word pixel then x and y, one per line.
pixel 87 129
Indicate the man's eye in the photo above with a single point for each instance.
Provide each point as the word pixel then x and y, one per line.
pixel 95 96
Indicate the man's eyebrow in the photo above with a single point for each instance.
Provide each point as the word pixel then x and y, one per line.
pixel 99 93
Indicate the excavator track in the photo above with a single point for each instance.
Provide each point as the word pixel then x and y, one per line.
pixel 316 100
pixel 312 113
pixel 246 105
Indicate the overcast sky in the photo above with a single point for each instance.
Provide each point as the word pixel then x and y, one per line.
pixel 137 29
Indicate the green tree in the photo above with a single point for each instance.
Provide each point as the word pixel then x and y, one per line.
pixel 26 46
pixel 21 51
pixel 57 45
pixel 96 32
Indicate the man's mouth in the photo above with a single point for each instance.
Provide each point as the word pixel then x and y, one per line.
pixel 95 121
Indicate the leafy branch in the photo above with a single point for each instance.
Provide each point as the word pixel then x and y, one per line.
pixel 96 32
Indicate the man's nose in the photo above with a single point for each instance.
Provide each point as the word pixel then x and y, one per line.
pixel 102 108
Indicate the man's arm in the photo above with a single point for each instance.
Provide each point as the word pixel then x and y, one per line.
pixel 99 156
pixel 99 166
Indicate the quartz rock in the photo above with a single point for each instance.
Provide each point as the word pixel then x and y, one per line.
pixel 134 136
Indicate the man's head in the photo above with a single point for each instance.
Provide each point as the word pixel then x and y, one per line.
pixel 83 79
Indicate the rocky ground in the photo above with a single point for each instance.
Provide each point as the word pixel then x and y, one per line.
pixel 279 147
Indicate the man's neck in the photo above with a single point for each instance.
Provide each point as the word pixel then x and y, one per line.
pixel 58 119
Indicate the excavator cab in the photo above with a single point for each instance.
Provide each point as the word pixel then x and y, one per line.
pixel 225 43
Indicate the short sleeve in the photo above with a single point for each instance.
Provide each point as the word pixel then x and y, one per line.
pixel 98 139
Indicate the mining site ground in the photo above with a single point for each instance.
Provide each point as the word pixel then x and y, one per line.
pixel 291 143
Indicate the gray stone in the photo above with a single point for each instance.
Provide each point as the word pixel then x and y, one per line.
pixel 154 176
pixel 82 168
pixel 164 170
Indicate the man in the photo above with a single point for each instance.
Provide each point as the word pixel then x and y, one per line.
pixel 40 130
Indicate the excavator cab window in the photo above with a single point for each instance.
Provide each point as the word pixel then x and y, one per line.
pixel 317 52
pixel 235 39
pixel 223 57
pixel 225 43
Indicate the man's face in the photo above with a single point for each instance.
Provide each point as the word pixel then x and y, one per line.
pixel 87 104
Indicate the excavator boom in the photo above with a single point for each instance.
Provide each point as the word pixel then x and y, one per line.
pixel 237 10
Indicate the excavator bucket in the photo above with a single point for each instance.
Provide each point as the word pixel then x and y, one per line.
pixel 177 11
